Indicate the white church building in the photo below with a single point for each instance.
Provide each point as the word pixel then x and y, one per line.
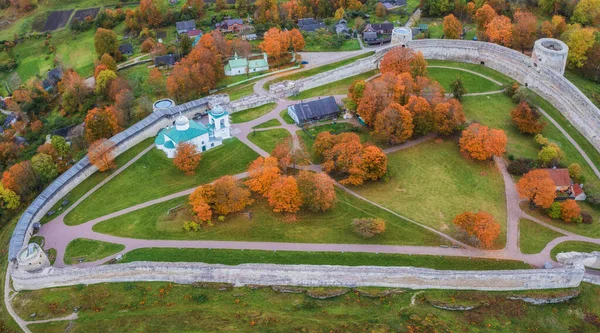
pixel 204 137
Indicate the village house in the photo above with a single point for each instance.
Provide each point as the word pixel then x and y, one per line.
pixel 202 136
pixel 563 183
pixel 168 60
pixel 126 49
pixel 384 28
pixel 231 25
pixel 342 28
pixel 239 66
pixel 310 24
pixel 184 26
pixel 54 76
pixel 306 112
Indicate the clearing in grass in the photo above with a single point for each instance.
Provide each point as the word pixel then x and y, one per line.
pixel 534 237
pixel 268 139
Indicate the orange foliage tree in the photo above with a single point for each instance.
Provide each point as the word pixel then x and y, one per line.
pixel 194 75
pixel 284 195
pixel 482 143
pixel 527 119
pixel 394 124
pixel 21 179
pixel 263 172
pixel 524 30
pixel 538 187
pixel 101 123
pixel 74 92
pixel 569 211
pixel 499 31
pixel 101 154
pixel 230 195
pixel 452 27
pixel 448 116
pixel 422 114
pixel 483 16
pixel 317 191
pixel 199 200
pixel 481 225
pixel 187 158
pixel 397 60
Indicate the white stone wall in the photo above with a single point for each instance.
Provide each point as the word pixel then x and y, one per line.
pixel 249 102
pixel 303 275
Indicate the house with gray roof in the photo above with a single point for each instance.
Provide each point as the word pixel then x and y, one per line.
pixel 310 24
pixel 306 112
pixel 184 26
pixel 168 60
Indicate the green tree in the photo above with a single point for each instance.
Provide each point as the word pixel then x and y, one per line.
pixel 587 12
pixel 579 40
pixel 185 45
pixel 8 198
pixel 103 79
pixel 60 144
pixel 44 167
pixel 109 62
pixel 458 88
pixel 105 41
pixel 554 210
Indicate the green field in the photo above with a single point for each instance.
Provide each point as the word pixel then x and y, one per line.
pixel 239 91
pixel 432 182
pixel 237 257
pixel 335 88
pixel 590 230
pixel 474 67
pixel 251 114
pixel 347 45
pixel 534 237
pixel 269 123
pixel 96 178
pixel 166 307
pixel 90 250
pixel 154 176
pixel 574 246
pixel 472 83
pixel 268 139
pixel 589 88
pixel 333 226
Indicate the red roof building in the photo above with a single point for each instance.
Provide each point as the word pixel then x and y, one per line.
pixel 560 177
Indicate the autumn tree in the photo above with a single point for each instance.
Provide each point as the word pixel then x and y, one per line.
pixel 195 6
pixel 200 199
pixel 267 11
pixel 74 93
pixel 397 60
pixel 262 173
pixel 109 62
pixel 21 179
pixel 194 75
pixel 276 44
pixel 418 65
pixel 538 187
pixel 579 40
pixel 482 143
pixel 284 195
pixel 317 191
pixel 480 225
pixel 356 90
pixel 569 211
pixel 187 158
pixel 106 41
pixel 394 124
pixel 101 123
pixel 8 198
pixel 575 171
pixel 499 31
pixel 151 12
pixel 103 81
pixel 229 195
pixel 368 227
pixel 380 10
pixel 483 17
pixel 452 27
pixel 340 13
pixel 587 12
pixel 148 45
pixel 44 167
pixel 448 117
pixel 422 114
pixel 101 154
pixel 524 30
pixel 527 119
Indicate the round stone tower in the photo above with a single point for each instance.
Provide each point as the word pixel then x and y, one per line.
pixel 550 53
pixel 32 258
pixel 401 36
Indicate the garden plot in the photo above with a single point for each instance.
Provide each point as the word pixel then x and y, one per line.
pixel 81 14
pixel 57 19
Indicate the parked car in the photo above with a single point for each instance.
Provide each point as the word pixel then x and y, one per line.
pixel 304 62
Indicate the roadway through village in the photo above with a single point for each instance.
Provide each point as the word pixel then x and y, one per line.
pixel 57 234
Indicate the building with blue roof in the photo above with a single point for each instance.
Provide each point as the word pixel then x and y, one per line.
pixel 203 137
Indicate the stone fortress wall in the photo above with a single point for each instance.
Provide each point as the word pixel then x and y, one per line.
pixel 303 275
pixel 547 82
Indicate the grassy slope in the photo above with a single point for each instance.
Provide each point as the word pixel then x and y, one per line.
pixel 269 123
pixel 235 257
pixel 286 117
pixel 89 249
pixel 432 183
pixel 335 88
pixel 96 178
pixel 472 82
pixel 574 246
pixel 534 237
pixel 239 91
pixel 334 226
pixel 250 114
pixel 154 176
pixel 267 140
pixel 142 307
pixel 474 67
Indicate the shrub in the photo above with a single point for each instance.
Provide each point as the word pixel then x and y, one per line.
pixel 199 298
pixel 221 218
pixel 593 195
pixel 369 227
pixel 541 140
pixel 586 218
pixel 575 171
pixel 521 166
pixel 511 89
pixel 570 211
pixel 191 226
pixel 554 210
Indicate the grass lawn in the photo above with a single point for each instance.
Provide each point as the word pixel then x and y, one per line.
pixel 474 67
pixel 286 117
pixel 96 178
pixel 251 114
pixel 154 176
pixel 270 123
pixel 236 257
pixel 333 226
pixel 347 45
pixel 432 183
pixel 335 88
pixel 534 237
pixel 590 88
pixel 590 230
pixel 317 70
pixel 167 307
pixel 268 139
pixel 473 83
pixel 573 246
pixel 227 80
pixel 239 91
pixel 89 249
